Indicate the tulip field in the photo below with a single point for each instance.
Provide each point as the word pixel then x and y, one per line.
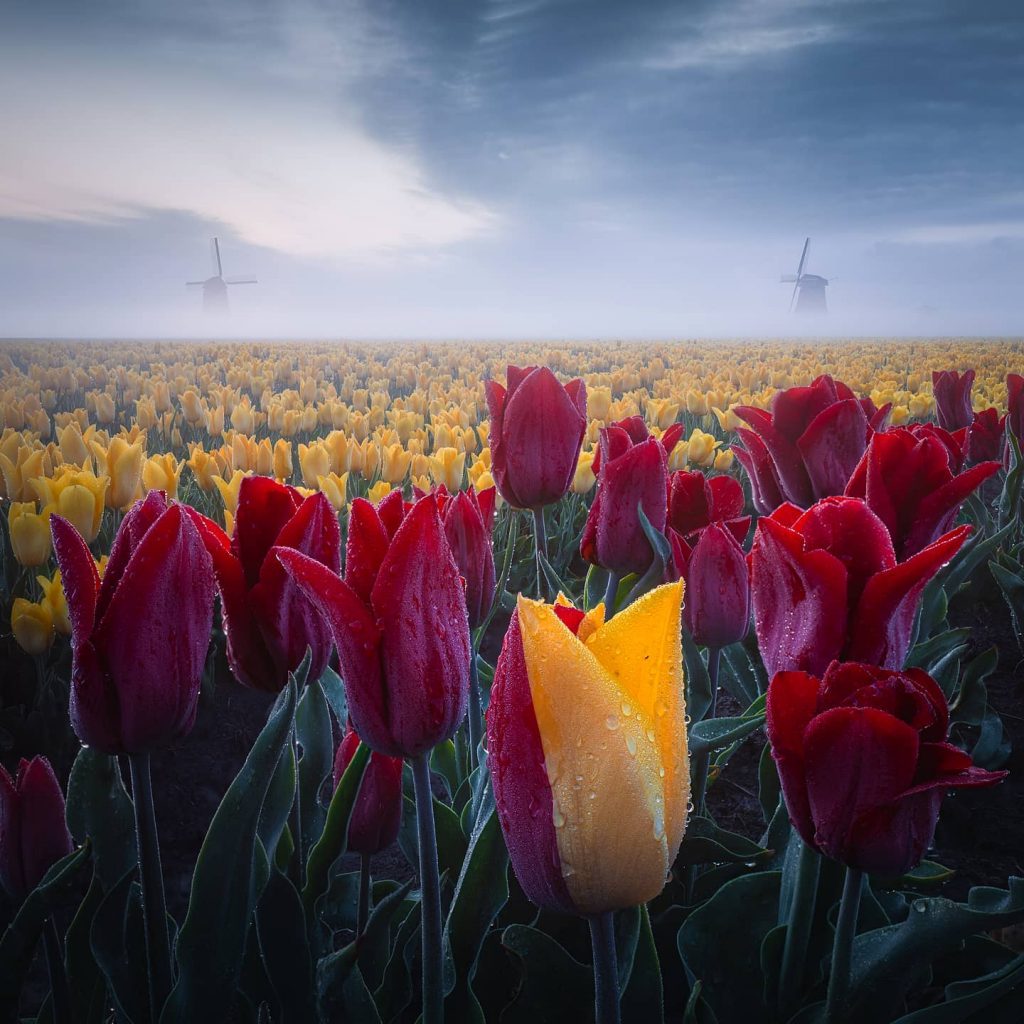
pixel 671 682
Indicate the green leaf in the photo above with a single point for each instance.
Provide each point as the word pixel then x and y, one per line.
pixel 118 943
pixel 887 960
pixel 315 735
pixel 444 762
pixel 223 896
pixel 704 842
pixel 334 838
pixel 964 999
pixel 720 945
pixel 554 986
pixel 334 690
pixel 932 651
pixel 278 803
pixel 928 872
pixel 718 733
pixel 698 682
pixel 85 980
pixel 56 888
pixel 480 893
pixel 769 787
pixel 281 930
pixel 395 993
pixel 1012 586
pixel 739 679
pixel 99 807
pixel 972 699
pixel 643 995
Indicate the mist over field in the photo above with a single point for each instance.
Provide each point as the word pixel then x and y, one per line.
pixel 511 169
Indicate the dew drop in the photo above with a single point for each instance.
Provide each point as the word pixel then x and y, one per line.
pixel 631 745
pixel 612 722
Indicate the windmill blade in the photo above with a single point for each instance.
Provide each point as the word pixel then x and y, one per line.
pixel 217 269
pixel 792 298
pixel 788 279
pixel 240 280
pixel 194 284
pixel 803 257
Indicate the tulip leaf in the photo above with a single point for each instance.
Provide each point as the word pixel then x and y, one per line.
pixel 555 582
pixel 720 945
pixel 281 930
pixel 315 736
pixel 769 787
pixel 444 762
pixel 704 842
pixel 554 986
pixel 992 748
pixel 394 993
pixel 999 989
pixel 971 701
pixel 1012 586
pixel 334 838
pixel 278 802
pixel 212 943
pixel 718 733
pixel 99 807
pixel 85 980
pixel 118 942
pixel 740 680
pixel 17 945
pixel 933 650
pixel 391 903
pixel 886 961
pixel 480 893
pixel 642 991
pixel 698 682
pixel 334 690
pixel 927 873
pixel 1009 500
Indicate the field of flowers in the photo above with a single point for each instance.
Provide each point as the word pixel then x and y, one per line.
pixel 511 682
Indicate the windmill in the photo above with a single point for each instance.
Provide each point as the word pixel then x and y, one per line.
pixel 808 289
pixel 215 288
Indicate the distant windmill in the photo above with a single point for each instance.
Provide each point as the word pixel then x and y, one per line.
pixel 215 288
pixel 808 289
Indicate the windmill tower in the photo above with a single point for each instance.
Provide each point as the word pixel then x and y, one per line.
pixel 215 288
pixel 808 289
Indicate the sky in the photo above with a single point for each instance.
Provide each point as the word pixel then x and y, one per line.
pixel 511 168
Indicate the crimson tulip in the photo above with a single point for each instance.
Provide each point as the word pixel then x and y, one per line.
pixel 717 605
pixel 537 429
pixel 631 475
pixel 399 621
pixel 636 427
pixel 826 585
pixel 807 445
pixel 468 518
pixel 1014 412
pixel 139 637
pixel 33 833
pixel 696 500
pixel 864 761
pixel 267 620
pixel 985 437
pixel 952 392
pixel 377 813
pixel 910 480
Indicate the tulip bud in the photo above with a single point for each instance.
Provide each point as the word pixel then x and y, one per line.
pixel 33 835
pixel 468 524
pixel 952 393
pixel 377 814
pixel 537 429
pixel 138 648
pixel 717 605
pixel 586 737
pixel 32 626
pixel 124 467
pixel 30 533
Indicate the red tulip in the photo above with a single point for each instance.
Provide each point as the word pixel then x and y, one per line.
pixel 952 393
pixel 399 622
pixel 139 638
pixel 468 519
pixel 696 500
pixel 826 585
pixel 985 437
pixel 864 762
pixel 636 427
pixel 537 429
pixel 1014 412
pixel 810 442
pixel 908 480
pixel 33 835
pixel 631 475
pixel 377 814
pixel 716 602
pixel 268 622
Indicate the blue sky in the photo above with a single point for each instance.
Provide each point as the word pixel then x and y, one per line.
pixel 541 168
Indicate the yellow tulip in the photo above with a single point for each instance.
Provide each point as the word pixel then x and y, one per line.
pixel 283 468
pixel 204 468
pixel 55 602
pixel 724 460
pixel 229 489
pixel 380 490
pixel 78 496
pixel 584 478
pixel 608 704
pixel 123 463
pixel 700 448
pixel 32 626
pixel 30 533
pixel 334 488
pixel 162 473
pixel 394 463
pixel 599 403
pixel 314 461
pixel 446 467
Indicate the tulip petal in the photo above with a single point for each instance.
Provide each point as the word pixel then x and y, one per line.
pixel 882 623
pixel 726 498
pixel 12 874
pixel 764 479
pixel 365 548
pixel 799 600
pixel 78 576
pixel 137 520
pixel 938 508
pixel 149 637
pixel 420 605
pixel 44 834
pixel 790 471
pixel 640 649
pixel 522 794
pixel 264 506
pixel 832 445
pixel 603 767
pixel 717 589
pixel 357 638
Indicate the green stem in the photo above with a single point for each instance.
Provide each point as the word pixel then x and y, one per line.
pixel 297 868
pixel 476 725
pixel 702 762
pixel 363 911
pixel 154 907
pixel 606 972
pixel 60 994
pixel 540 546
pixel 799 922
pixel 610 591
pixel 430 893
pixel 842 949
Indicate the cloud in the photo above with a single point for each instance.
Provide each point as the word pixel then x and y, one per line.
pixel 289 168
